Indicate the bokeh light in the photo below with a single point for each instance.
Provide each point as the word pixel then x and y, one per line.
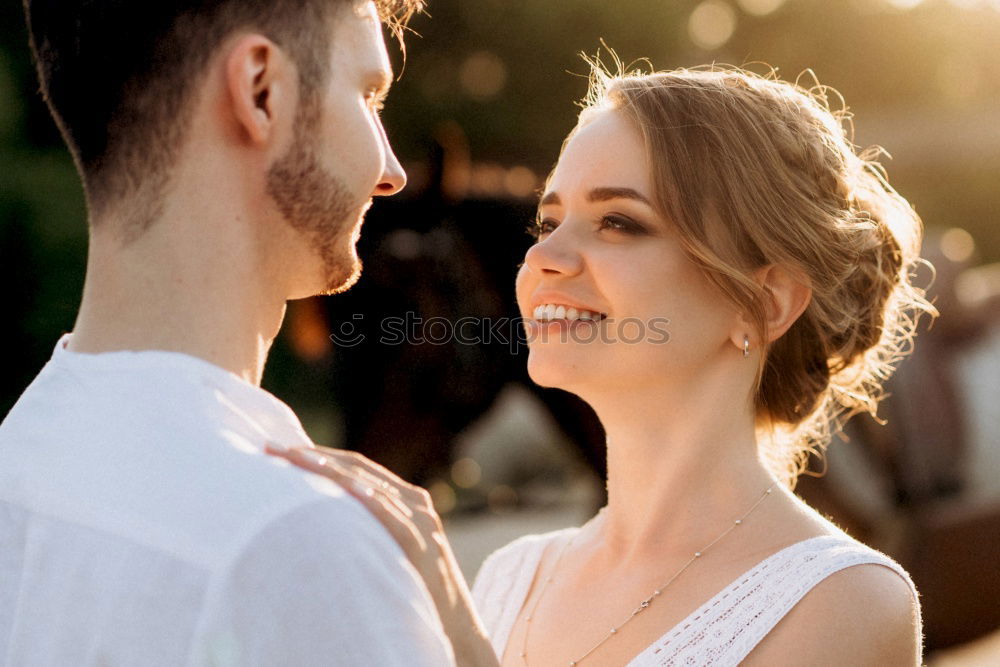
pixel 520 182
pixel 483 75
pixel 466 473
pixel 501 498
pixel 442 495
pixel 712 23
pixel 904 4
pixel 957 245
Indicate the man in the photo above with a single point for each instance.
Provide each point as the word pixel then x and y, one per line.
pixel 228 151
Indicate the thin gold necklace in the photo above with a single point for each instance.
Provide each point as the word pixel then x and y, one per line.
pixel 644 604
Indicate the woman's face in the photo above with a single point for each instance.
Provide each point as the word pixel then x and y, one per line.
pixel 611 301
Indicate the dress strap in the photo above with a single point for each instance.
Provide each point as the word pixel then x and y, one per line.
pixel 726 628
pixel 805 569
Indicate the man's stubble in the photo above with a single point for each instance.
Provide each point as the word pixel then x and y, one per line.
pixel 317 203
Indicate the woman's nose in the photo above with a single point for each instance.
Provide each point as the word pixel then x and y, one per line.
pixel 555 254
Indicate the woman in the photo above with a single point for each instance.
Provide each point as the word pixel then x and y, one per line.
pixel 730 211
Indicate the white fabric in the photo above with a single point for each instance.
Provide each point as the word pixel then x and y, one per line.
pixel 141 524
pixel 722 631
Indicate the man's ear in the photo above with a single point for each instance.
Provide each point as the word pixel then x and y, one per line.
pixel 788 293
pixel 257 80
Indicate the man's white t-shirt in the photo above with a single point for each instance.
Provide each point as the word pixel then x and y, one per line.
pixel 141 524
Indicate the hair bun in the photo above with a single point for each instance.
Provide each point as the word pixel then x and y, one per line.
pixel 784 185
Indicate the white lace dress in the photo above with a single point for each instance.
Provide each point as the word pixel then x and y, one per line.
pixel 720 632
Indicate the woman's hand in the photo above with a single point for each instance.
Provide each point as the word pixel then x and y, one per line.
pixel 406 511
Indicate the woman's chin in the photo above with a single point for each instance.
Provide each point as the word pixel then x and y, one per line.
pixel 545 371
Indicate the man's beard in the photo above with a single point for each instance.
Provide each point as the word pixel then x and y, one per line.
pixel 318 205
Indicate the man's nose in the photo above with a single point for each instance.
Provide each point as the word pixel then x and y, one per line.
pixel 393 177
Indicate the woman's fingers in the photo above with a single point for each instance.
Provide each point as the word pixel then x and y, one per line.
pixel 398 525
pixel 354 480
pixel 408 515
pixel 383 474
pixel 391 499
pixel 388 509
pixel 414 497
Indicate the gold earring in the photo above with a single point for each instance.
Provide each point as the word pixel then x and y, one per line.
pixel 746 345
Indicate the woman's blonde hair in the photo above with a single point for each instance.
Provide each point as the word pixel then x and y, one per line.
pixel 754 171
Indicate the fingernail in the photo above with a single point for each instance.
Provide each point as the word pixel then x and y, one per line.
pixel 363 490
pixel 311 454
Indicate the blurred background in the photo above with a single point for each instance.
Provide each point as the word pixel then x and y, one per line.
pixel 484 102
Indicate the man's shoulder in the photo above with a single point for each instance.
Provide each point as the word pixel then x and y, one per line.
pixel 324 526
pixel 323 578
pixel 186 476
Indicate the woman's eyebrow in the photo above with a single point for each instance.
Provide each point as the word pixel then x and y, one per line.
pixel 598 195
pixel 605 194
pixel 550 199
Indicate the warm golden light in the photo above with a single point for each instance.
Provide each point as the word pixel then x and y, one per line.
pixel 761 7
pixel 520 181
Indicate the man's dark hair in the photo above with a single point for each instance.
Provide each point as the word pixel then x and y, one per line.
pixel 119 77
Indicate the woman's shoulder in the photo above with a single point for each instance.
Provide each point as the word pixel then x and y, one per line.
pixel 860 608
pixel 819 548
pixel 848 597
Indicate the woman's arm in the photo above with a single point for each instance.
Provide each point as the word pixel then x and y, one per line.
pixel 408 515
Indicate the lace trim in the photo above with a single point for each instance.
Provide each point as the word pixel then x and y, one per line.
pixel 725 629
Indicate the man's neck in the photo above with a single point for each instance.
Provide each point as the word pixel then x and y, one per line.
pixel 164 292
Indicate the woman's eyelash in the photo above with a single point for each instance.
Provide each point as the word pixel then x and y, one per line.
pixel 621 223
pixel 542 226
pixel 612 222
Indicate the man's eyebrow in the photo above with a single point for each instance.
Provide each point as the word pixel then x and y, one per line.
pixel 598 195
pixel 382 80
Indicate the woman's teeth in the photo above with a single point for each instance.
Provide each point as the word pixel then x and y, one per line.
pixel 552 311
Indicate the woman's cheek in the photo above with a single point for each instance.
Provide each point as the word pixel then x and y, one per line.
pixel 522 288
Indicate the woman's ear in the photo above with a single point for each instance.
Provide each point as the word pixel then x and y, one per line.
pixel 257 74
pixel 788 293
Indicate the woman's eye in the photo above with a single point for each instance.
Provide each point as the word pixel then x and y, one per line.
pixel 620 223
pixel 544 226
